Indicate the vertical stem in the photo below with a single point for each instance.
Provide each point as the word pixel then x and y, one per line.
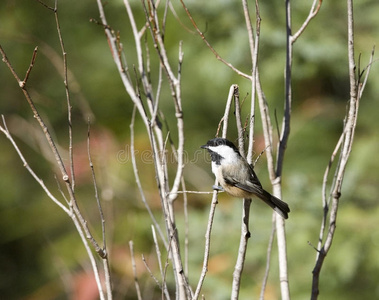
pixel 245 235
pixel 288 95
pixel 347 142
pixel 68 98
pixel 277 188
pixel 350 28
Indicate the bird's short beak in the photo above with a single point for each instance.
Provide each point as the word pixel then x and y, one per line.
pixel 204 146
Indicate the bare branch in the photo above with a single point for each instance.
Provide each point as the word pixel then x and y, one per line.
pixel 254 48
pixel 60 164
pixel 30 67
pixel 207 245
pixel 136 283
pixel 104 251
pixel 69 212
pixel 95 187
pixel 112 41
pixel 367 70
pixel 237 111
pixel 268 259
pixel 312 13
pixel 163 271
pixel 5 131
pixel 210 46
pixel 267 129
pixel 245 233
pixel 345 144
pixel 136 175
pixel 48 7
pixel 186 230
pixel 68 98
pixel 325 199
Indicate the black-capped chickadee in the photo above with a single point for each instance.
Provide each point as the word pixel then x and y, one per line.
pixel 237 177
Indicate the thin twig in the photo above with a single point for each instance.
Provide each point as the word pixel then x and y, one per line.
pixel 282 145
pixel 112 40
pixel 60 190
pixel 96 191
pixel 228 105
pixel 214 202
pixel 68 211
pixel 312 13
pixel 267 129
pixel 159 257
pixel 268 260
pixel 259 156
pixel 61 167
pixel 207 247
pixel 245 233
pixel 55 151
pixel 30 67
pixel 210 46
pixel 136 175
pixel 367 69
pixel 151 15
pixel 104 251
pixel 254 50
pixel 195 192
pixel 186 228
pixel 346 146
pixel 325 202
pixel 4 129
pixel 68 98
pixel 151 273
pixel 136 282
pixel 48 7
pixel 237 111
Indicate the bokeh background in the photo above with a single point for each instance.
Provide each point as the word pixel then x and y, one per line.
pixel 41 256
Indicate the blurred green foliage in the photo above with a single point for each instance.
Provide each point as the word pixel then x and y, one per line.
pixel 40 249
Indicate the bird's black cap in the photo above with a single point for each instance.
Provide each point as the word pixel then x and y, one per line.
pixel 219 141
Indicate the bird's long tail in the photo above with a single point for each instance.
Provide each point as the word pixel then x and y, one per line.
pixel 276 204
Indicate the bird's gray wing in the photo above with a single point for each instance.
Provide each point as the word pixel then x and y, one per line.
pixel 252 185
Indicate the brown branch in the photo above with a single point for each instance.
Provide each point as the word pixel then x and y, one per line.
pixel 218 57
pixel 312 13
pixel 104 252
pixel 68 99
pixel 22 84
pixel 4 129
pixel 37 116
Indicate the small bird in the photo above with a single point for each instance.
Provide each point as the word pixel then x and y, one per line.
pixel 237 177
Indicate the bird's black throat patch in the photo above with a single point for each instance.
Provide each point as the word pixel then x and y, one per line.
pixel 215 157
